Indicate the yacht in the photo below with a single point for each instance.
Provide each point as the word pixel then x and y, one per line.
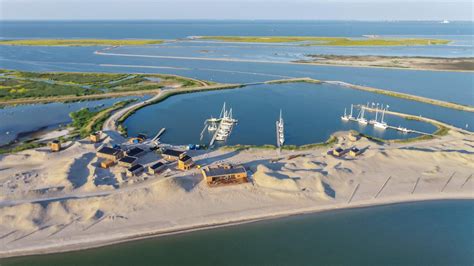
pixel 360 118
pixel 280 128
pixel 382 124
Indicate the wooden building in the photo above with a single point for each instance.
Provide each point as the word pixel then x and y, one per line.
pixel 171 155
pixel 224 174
pixel 95 137
pixel 107 163
pixel 55 145
pixel 185 162
pixel 110 153
pixel 156 168
pixel 354 152
pixel 338 152
pixel 128 161
pixel 135 152
pixel 135 170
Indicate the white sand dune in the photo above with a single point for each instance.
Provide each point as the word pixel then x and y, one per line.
pixel 51 201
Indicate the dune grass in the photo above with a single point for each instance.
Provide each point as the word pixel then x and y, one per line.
pixel 78 42
pixel 329 41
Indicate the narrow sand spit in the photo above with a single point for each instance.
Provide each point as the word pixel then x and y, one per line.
pixel 52 202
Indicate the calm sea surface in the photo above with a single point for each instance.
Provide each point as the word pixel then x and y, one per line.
pixel 424 233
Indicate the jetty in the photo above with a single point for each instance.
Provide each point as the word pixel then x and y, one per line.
pixel 375 122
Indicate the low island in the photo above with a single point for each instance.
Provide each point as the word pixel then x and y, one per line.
pixel 404 62
pixel 79 42
pixel 329 41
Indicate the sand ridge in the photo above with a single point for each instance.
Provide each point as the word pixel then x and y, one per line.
pixel 62 201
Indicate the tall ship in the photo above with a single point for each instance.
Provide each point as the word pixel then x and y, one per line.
pixel 280 131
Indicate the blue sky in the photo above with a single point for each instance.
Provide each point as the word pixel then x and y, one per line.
pixel 238 9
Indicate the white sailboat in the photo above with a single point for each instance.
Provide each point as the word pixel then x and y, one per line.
pixel 381 124
pixel 346 117
pixel 280 129
pixel 226 123
pixel 360 118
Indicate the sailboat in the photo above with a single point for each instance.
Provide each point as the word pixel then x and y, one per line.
pixel 346 117
pixel 280 128
pixel 360 118
pixel 381 124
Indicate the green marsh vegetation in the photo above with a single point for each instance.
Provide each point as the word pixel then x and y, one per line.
pixel 79 42
pixel 330 41
pixel 20 85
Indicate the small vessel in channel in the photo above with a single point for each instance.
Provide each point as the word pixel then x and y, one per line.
pixel 280 131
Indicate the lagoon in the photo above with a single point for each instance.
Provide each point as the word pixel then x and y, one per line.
pixel 311 112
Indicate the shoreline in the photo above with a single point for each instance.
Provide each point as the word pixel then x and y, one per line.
pixel 71 247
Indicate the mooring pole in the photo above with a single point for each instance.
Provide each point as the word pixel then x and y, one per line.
pixel 353 193
pixel 384 184
pixel 416 184
pixel 467 179
pixel 449 180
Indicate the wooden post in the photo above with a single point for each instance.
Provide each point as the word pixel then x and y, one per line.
pixel 449 180
pixel 467 179
pixel 416 184
pixel 353 193
pixel 384 184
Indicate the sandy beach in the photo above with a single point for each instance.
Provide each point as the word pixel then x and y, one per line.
pixel 54 202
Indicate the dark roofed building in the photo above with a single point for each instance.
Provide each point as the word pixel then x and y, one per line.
pixel 185 162
pixel 338 151
pixel 128 161
pixel 224 174
pixel 156 168
pixel 135 152
pixel 110 153
pixel 135 170
pixel 354 151
pixel 171 155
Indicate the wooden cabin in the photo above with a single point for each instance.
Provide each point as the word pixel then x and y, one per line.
pixel 135 170
pixel 95 137
pixel 135 152
pixel 156 168
pixel 55 145
pixel 171 155
pixel 128 161
pixel 110 153
pixel 224 174
pixel 107 164
pixel 185 162
pixel 353 137
pixel 354 152
pixel 338 151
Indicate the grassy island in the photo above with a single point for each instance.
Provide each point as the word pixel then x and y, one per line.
pixel 78 42
pixel 329 41
pixel 28 87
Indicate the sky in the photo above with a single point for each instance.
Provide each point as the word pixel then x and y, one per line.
pixel 236 9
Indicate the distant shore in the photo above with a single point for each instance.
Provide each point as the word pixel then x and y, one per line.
pixel 79 42
pixel 464 64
